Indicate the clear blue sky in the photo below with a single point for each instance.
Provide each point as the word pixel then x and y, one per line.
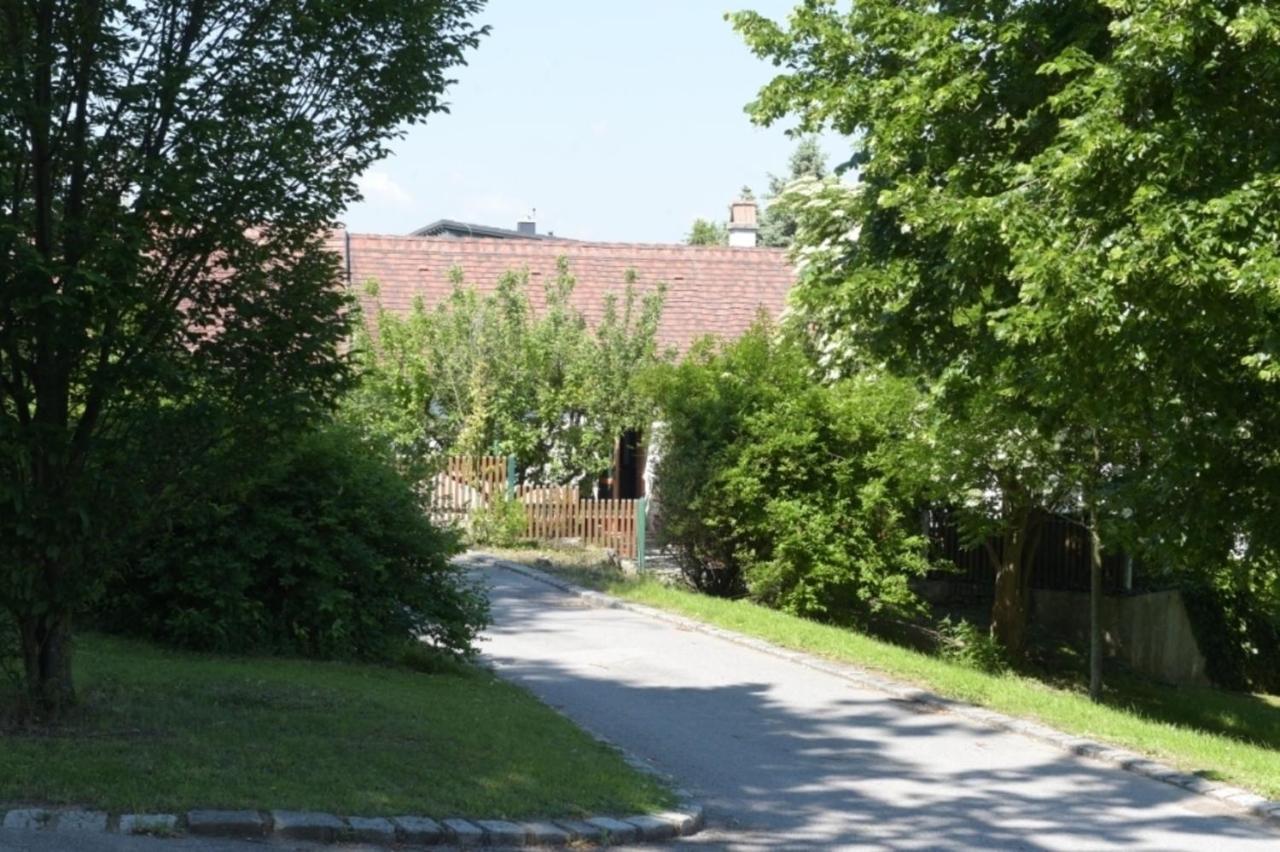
pixel 617 120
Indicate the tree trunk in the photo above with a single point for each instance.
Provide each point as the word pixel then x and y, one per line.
pixel 1095 608
pixel 1009 612
pixel 46 657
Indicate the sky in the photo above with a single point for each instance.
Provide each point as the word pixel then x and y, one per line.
pixel 615 120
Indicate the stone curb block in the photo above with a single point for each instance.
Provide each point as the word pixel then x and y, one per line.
pixel 371 830
pixel 307 825
pixel 81 821
pixel 652 828
pixel 227 823
pixel 148 824
pixel 420 830
pixel 499 832
pixel 579 830
pixel 545 834
pixel 683 823
pixel 616 831
pixel 27 819
pixel 463 833
pixel 1242 800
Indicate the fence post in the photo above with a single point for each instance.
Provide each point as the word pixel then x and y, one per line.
pixel 511 477
pixel 642 504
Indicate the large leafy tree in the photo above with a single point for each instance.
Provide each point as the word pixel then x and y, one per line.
pixel 170 170
pixel 1065 224
pixel 481 373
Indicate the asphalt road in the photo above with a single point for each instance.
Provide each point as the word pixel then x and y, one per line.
pixel 787 757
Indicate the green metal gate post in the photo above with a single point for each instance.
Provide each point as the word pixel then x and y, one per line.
pixel 511 477
pixel 642 506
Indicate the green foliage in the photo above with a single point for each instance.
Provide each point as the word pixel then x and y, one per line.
pixel 323 550
pixel 488 373
pixel 1237 628
pixel 1066 225
pixel 704 232
pixel 172 173
pixel 705 402
pixel 778 223
pixel 772 484
pixel 964 643
pixel 499 524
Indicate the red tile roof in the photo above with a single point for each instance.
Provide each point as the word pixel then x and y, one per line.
pixel 710 289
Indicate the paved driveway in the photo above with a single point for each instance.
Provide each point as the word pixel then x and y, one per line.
pixel 787 757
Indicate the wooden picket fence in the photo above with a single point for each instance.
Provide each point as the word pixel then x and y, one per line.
pixel 552 513
pixel 467 483
pixel 557 513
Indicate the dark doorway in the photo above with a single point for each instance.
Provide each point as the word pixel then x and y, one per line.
pixel 629 466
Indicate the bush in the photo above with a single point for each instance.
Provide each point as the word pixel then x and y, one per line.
pixel 500 524
pixel 786 489
pixel 322 551
pixel 964 643
pixel 705 401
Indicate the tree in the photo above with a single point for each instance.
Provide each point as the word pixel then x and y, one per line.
pixel 707 233
pixel 482 373
pixel 1061 228
pixel 171 170
pixel 777 225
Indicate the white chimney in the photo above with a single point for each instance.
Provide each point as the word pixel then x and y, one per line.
pixel 528 226
pixel 742 222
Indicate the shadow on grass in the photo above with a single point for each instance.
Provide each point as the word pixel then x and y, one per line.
pixel 1242 716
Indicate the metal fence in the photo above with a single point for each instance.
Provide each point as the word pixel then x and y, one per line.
pixel 1061 559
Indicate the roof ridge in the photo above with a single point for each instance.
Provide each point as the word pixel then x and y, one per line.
pixel 488 243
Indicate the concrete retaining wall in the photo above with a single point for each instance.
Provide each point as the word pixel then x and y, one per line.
pixel 1151 632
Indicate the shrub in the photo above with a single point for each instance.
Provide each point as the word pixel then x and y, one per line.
pixel 823 523
pixel 322 551
pixel 705 401
pixel 964 643
pixel 500 524
pixel 786 489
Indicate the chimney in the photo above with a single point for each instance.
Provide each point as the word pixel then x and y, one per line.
pixel 742 221
pixel 528 226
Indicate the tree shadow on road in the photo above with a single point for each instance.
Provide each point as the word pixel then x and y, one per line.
pixel 841 768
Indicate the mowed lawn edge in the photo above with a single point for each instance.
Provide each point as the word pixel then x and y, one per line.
pixel 1249 755
pixel 159 730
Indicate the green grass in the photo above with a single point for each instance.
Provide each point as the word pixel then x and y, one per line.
pixel 1226 736
pixel 161 730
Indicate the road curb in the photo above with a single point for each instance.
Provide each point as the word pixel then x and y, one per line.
pixel 1239 801
pixel 686 819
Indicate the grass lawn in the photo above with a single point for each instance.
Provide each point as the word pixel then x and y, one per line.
pixel 1226 736
pixel 161 730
